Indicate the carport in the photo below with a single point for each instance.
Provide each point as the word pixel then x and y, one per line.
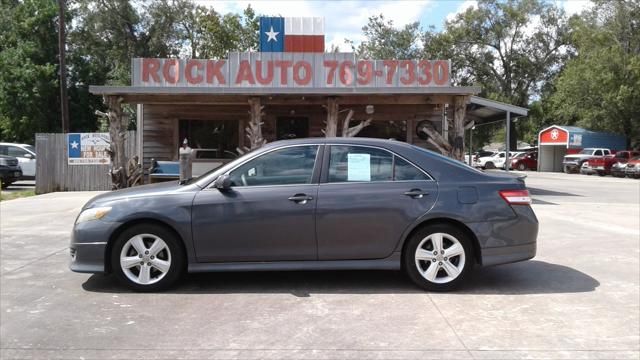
pixel 481 111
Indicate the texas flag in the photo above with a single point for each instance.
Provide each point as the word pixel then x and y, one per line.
pixel 292 34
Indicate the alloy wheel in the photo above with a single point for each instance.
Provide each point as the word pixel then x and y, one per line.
pixel 145 259
pixel 440 258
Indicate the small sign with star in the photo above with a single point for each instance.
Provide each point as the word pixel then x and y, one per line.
pixel 88 148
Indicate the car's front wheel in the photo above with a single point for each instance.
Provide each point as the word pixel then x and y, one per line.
pixel 147 257
pixel 522 167
pixel 438 257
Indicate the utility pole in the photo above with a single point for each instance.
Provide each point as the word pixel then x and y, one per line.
pixel 64 105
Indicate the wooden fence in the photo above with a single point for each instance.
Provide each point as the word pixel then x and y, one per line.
pixel 54 174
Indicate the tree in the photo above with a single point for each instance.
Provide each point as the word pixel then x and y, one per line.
pixel 600 88
pixel 509 48
pixel 229 32
pixel 384 41
pixel 29 96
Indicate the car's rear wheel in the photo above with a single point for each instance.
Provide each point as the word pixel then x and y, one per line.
pixel 147 257
pixel 490 165
pixel 522 167
pixel 438 257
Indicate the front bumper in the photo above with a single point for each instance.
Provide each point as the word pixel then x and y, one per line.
pixel 10 173
pixel 632 171
pixel 88 248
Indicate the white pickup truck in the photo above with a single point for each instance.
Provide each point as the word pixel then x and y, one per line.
pixel 572 163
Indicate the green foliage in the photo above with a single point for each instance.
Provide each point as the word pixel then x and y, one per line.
pixel 600 87
pixel 384 41
pixel 29 77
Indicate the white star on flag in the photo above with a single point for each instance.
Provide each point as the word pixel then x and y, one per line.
pixel 272 35
pixel 74 145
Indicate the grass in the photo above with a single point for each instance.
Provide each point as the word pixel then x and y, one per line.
pixel 17 194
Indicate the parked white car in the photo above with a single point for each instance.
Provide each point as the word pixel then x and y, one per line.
pixel 496 161
pixel 26 155
pixel 482 157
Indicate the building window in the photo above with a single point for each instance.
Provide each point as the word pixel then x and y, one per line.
pixel 292 127
pixel 218 135
pixel 393 129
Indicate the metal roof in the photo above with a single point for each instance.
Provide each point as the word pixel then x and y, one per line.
pixel 485 110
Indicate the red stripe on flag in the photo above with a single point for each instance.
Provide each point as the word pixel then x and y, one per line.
pixel 304 43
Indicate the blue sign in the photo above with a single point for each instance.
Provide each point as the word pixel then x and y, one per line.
pixel 74 144
pixel 272 34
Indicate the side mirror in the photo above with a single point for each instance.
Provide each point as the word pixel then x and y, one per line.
pixel 223 182
pixel 29 156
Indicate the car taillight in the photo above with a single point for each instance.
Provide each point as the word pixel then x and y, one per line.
pixel 516 197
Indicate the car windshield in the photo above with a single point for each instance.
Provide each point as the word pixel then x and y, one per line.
pixel 520 156
pixel 226 166
pixel 30 148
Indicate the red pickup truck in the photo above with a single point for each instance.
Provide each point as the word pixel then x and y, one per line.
pixel 601 165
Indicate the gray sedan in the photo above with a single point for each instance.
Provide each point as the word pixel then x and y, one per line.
pixel 312 204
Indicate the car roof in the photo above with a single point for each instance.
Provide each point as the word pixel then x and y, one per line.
pixel 15 144
pixel 341 140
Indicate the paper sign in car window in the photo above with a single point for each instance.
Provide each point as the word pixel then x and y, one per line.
pixel 358 167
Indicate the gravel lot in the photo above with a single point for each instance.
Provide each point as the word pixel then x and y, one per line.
pixel 578 299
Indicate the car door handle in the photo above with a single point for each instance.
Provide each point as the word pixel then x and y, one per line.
pixel 300 198
pixel 416 193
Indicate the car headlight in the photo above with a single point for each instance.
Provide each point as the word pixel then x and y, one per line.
pixel 93 214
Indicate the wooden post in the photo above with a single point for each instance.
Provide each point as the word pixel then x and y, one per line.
pixel 331 130
pixel 254 130
pixel 459 109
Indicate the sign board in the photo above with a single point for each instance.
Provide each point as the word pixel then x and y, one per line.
pixel 358 167
pixel 554 135
pixel 88 148
pixel 575 140
pixel 290 70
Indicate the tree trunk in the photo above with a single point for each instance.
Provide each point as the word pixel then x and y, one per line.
pixel 331 129
pixel 459 109
pixel 117 133
pixel 254 130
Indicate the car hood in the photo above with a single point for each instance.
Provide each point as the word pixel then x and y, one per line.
pixel 577 156
pixel 158 189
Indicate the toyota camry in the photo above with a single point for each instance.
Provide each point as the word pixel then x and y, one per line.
pixel 312 204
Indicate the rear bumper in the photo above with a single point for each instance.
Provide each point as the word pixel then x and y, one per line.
pixel 508 254
pixel 503 242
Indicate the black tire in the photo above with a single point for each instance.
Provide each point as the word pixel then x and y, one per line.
pixel 567 170
pixel 490 165
pixel 176 254
pixel 522 167
pixel 4 185
pixel 410 264
pixel 601 173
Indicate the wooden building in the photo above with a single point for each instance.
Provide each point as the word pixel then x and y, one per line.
pixel 252 98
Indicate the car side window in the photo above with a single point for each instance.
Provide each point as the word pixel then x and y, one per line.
pixel 404 171
pixel 606 152
pixel 3 150
pixel 598 153
pixel 288 166
pixel 359 163
pixel 15 151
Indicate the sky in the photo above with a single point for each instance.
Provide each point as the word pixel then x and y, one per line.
pixel 345 19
